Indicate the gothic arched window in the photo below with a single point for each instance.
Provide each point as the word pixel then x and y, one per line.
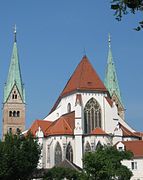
pixel 14 114
pixel 87 147
pixel 18 113
pixel 92 115
pixel 10 113
pixel 69 107
pixel 69 153
pixel 58 153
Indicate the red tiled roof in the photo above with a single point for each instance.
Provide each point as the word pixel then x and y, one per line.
pixel 135 146
pixel 84 78
pixel 126 132
pixel 98 131
pixel 78 99
pixel 109 100
pixel 39 123
pixel 140 134
pixel 64 125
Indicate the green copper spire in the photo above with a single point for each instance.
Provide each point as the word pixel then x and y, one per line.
pixel 14 75
pixel 111 81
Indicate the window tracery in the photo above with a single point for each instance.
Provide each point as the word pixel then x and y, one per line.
pixel 92 115
pixel 69 153
pixel 58 154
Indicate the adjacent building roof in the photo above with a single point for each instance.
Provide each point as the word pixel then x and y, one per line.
pixel 135 146
pixel 67 164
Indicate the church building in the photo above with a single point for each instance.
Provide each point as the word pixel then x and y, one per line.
pixel 87 114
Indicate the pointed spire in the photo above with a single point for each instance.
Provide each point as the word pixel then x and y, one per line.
pixel 15 31
pixel 14 74
pixel 111 81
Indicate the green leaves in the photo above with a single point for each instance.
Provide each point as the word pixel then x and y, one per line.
pixel 19 156
pixel 58 173
pixel 122 7
pixel 105 163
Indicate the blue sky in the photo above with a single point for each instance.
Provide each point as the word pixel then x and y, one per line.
pixel 52 36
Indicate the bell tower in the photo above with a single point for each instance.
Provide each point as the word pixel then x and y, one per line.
pixel 14 96
pixel 111 83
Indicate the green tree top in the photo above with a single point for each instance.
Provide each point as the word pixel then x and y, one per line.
pixel 19 156
pixel 105 163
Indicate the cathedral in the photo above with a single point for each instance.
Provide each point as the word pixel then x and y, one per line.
pixel 88 113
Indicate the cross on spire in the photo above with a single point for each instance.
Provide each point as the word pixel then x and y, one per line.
pixel 109 40
pixel 15 31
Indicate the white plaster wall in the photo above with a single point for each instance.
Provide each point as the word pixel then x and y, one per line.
pixel 62 107
pixel 137 173
pixel 51 142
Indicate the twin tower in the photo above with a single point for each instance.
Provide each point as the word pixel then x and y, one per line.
pixel 14 96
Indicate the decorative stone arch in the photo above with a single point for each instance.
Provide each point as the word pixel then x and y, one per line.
pixel 87 147
pixel 92 115
pixel 58 153
pixel 69 153
pixel 99 145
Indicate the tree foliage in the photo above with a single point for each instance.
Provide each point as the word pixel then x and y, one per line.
pixel 105 163
pixel 123 7
pixel 19 156
pixel 58 173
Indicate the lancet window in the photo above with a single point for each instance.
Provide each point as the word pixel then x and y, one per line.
pixel 69 107
pixel 69 153
pixel 58 153
pixel 92 115
pixel 87 147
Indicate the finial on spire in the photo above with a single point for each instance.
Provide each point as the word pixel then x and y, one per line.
pixel 15 33
pixel 84 52
pixel 109 40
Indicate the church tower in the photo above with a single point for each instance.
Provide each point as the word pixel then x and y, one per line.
pixel 14 96
pixel 111 82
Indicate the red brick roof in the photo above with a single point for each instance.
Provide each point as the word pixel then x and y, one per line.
pixel 84 78
pixel 127 132
pixel 98 131
pixel 109 100
pixel 64 125
pixel 140 134
pixel 135 146
pixel 39 123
